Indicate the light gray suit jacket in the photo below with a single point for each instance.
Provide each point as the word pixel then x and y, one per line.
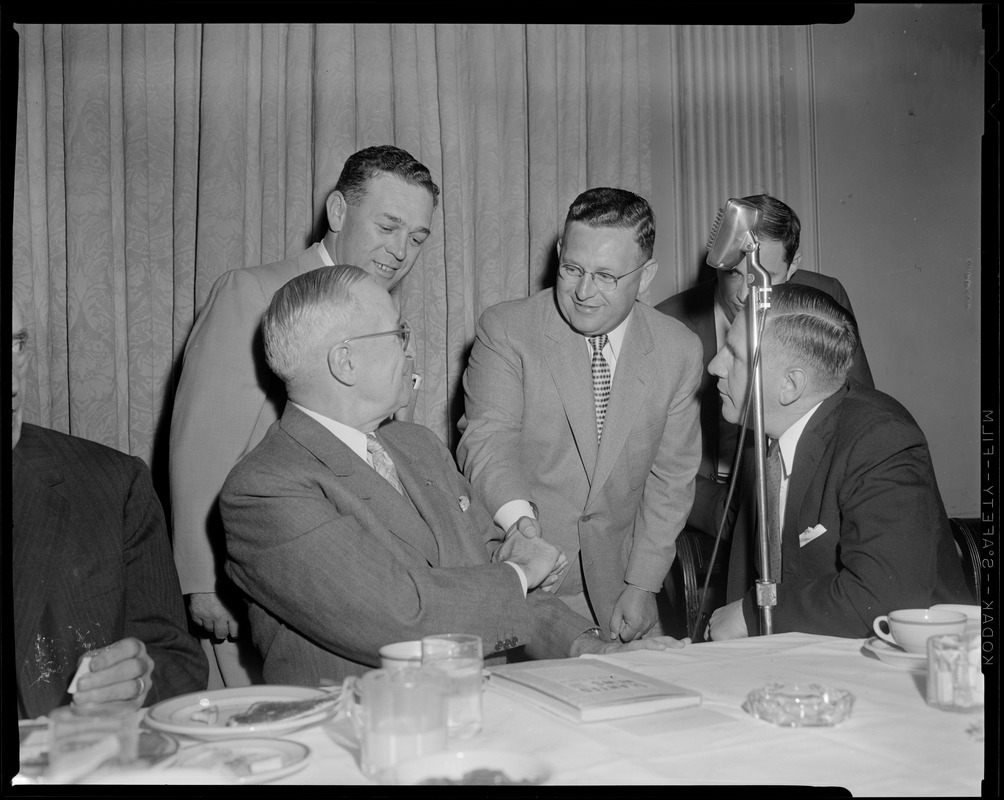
pixel 529 432
pixel 337 564
pixel 227 398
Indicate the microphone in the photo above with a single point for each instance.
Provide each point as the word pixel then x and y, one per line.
pixel 732 237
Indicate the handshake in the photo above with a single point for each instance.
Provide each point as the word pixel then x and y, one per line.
pixel 543 564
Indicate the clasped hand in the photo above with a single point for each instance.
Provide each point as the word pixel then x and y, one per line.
pixel 120 671
pixel 543 564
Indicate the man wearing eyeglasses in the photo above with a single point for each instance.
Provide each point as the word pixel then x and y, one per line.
pixel 581 419
pixel 379 216
pixel 345 534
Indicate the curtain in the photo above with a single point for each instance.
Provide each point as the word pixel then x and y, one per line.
pixel 150 159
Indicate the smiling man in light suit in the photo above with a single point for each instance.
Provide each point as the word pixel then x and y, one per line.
pixel 379 216
pixel 859 526
pixel 346 538
pixel 581 419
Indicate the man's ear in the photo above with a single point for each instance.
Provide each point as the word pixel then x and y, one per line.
pixel 336 206
pixel 341 365
pixel 793 266
pixel 794 384
pixel 557 247
pixel 647 274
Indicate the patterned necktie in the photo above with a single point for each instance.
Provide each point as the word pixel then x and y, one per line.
pixel 774 509
pixel 601 381
pixel 382 462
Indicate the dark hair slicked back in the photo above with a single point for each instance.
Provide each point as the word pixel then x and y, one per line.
pixel 385 159
pixel 604 207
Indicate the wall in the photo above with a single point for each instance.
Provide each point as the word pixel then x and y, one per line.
pixel 883 119
pixel 898 101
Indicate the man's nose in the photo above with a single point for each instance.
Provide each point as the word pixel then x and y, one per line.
pixel 586 287
pixel 397 246
pixel 744 291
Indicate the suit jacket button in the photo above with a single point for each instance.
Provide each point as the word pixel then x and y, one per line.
pixel 585 518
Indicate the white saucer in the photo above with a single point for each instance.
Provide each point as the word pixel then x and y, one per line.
pixel 895 656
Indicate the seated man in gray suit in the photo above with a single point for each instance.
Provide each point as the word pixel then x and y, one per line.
pixel 858 528
pixel 709 310
pixel 345 539
pixel 92 571
pixel 379 215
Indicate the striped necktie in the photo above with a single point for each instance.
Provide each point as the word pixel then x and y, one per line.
pixel 601 381
pixel 382 462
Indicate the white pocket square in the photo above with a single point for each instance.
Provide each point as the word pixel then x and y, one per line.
pixel 809 534
pixel 465 503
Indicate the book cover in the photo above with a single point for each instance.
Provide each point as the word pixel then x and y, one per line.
pixel 587 690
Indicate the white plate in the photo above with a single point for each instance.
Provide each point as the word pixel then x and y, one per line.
pixel 453 766
pixel 176 715
pixel 894 656
pixel 245 760
pixel 157 777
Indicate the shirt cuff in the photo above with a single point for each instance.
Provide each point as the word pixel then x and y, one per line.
pixel 512 511
pixel 522 575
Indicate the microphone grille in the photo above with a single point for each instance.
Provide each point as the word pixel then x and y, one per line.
pixel 715 227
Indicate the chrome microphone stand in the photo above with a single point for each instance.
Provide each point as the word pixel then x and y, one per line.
pixel 757 303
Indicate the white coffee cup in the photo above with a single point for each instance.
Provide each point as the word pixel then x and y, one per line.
pixel 910 628
pixel 401 655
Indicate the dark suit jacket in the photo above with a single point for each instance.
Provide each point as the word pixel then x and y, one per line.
pixel 337 564
pixel 863 471
pixel 695 308
pixel 529 432
pixel 91 565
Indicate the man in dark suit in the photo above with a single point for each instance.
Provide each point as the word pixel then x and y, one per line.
pixel 861 526
pixel 709 310
pixel 92 571
pixel 345 539
pixel 379 216
pixel 581 419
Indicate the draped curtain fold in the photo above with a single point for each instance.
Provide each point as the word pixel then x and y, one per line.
pixel 150 159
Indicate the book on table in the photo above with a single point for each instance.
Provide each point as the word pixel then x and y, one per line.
pixel 587 689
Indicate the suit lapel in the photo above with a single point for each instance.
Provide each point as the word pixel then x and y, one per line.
pixel 568 361
pixel 808 453
pixel 39 513
pixel 438 506
pixel 395 512
pixel 627 395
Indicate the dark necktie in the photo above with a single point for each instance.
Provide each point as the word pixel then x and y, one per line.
pixel 774 509
pixel 601 381
pixel 382 462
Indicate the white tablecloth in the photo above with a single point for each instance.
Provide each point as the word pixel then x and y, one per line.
pixel 893 743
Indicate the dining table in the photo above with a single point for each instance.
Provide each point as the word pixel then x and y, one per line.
pixel 891 744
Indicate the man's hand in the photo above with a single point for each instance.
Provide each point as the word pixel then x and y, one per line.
pixel 728 622
pixel 530 528
pixel 537 558
pixel 207 610
pixel 121 671
pixel 527 526
pixel 635 613
pixel 590 644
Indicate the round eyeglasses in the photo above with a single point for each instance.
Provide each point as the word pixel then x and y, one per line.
pixel 604 281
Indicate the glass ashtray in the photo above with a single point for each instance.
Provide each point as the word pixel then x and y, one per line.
pixel 799 705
